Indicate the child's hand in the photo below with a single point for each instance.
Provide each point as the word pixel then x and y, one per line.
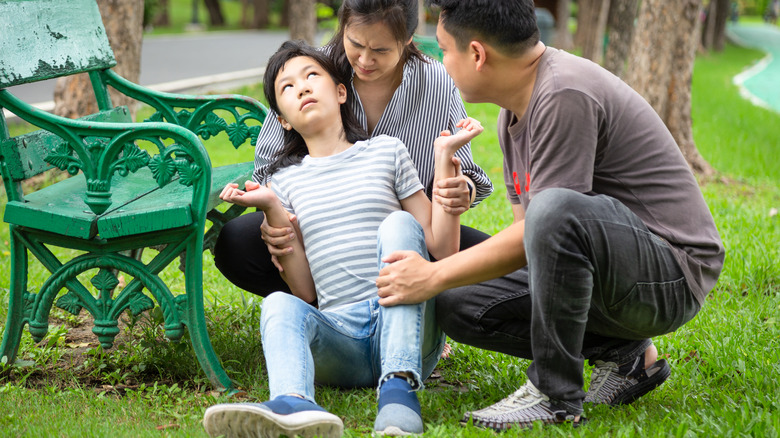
pixel 255 195
pixel 447 142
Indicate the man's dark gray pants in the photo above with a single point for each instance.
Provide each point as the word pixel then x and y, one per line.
pixel 597 286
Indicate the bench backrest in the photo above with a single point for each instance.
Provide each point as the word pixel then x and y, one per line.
pixel 38 40
pixel 25 156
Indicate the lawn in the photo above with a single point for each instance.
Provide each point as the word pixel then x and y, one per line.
pixel 725 362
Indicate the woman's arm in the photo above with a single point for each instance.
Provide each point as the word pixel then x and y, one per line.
pixel 270 141
pixel 296 272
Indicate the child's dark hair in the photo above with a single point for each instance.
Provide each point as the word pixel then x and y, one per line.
pixel 294 148
pixel 508 25
pixel 400 16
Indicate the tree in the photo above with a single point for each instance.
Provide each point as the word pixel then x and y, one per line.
pixel 714 32
pixel 620 28
pixel 591 22
pixel 660 68
pixel 215 13
pixel 303 20
pixel 163 17
pixel 563 38
pixel 260 16
pixel 123 20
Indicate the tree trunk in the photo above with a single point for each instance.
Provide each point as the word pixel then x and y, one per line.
pixel 661 67
pixel 303 20
pixel 123 20
pixel 563 38
pixel 591 22
pixel 620 25
pixel 261 17
pixel 163 17
pixel 215 13
pixel 721 18
pixel 422 25
pixel 285 19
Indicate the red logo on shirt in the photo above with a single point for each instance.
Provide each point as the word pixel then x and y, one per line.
pixel 516 180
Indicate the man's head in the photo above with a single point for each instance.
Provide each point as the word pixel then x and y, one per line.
pixel 484 43
pixel 509 26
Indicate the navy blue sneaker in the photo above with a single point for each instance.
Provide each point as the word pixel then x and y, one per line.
pixel 284 415
pixel 398 408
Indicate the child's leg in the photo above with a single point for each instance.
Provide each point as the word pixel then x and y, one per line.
pixel 302 343
pixel 410 340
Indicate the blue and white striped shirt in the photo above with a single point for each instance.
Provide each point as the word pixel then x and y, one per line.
pixel 340 201
pixel 425 104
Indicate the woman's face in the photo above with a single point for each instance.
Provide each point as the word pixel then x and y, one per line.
pixel 372 51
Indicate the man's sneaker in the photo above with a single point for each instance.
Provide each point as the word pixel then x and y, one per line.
pixel 398 410
pixel 284 415
pixel 613 385
pixel 520 410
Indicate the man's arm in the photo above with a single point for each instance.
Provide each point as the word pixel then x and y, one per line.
pixel 411 279
pixel 518 212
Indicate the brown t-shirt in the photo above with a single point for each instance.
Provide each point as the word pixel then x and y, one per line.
pixel 588 131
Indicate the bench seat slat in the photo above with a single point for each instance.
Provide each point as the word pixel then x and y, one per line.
pixel 141 206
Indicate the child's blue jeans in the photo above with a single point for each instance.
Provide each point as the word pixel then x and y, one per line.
pixel 355 345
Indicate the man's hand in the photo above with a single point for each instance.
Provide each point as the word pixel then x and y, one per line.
pixel 277 239
pixel 406 280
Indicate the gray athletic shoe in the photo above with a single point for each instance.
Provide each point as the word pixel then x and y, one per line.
pixel 520 410
pixel 258 420
pixel 614 385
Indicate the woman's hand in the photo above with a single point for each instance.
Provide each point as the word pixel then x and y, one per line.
pixel 453 193
pixel 278 240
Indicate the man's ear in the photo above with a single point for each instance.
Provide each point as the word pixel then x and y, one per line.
pixel 341 89
pixel 286 125
pixel 478 54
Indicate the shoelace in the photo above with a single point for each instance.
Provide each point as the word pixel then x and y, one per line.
pixel 524 396
pixel 603 372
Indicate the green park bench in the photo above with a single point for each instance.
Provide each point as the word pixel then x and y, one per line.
pixel 135 185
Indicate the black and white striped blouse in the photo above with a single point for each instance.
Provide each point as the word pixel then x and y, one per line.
pixel 425 104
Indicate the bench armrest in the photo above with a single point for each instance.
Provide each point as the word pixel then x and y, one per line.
pixel 197 112
pixel 101 149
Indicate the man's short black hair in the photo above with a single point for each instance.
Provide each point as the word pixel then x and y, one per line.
pixel 508 25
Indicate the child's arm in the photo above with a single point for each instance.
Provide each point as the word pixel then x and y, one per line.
pixel 442 230
pixel 295 272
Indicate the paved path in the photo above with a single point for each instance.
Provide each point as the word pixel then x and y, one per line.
pixel 760 83
pixel 189 61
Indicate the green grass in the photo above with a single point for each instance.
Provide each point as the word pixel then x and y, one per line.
pixel 725 362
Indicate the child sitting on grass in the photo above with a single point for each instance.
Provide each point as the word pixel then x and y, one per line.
pixel 354 201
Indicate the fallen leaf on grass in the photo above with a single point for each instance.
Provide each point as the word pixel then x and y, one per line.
pixel 79 345
pixel 168 426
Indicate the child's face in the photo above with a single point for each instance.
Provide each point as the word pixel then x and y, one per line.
pixel 307 96
pixel 372 51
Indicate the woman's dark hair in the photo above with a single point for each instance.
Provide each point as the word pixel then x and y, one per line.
pixel 400 16
pixel 294 148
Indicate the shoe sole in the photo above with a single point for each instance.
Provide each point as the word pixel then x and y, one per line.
pixel 503 427
pixel 393 431
pixel 234 421
pixel 631 394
